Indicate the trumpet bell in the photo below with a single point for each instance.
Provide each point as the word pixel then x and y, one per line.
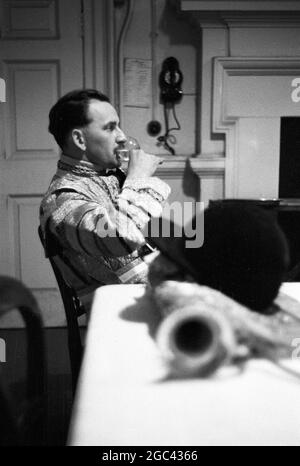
pixel 195 342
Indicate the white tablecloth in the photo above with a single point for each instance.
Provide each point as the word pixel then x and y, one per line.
pixel 124 399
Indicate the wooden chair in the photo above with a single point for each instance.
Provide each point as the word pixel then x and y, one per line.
pixel 25 428
pixel 72 305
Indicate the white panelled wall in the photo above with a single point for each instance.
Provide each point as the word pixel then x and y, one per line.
pixel 250 56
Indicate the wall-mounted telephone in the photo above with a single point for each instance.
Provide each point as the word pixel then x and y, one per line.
pixel 170 80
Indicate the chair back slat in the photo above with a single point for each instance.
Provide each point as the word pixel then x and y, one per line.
pixel 72 305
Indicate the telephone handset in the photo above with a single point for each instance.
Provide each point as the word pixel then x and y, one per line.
pixel 170 80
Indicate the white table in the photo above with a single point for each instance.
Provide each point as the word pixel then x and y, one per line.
pixel 123 400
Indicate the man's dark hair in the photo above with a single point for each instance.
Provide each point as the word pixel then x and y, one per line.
pixel 70 112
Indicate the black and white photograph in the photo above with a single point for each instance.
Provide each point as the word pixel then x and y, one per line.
pixel 149 225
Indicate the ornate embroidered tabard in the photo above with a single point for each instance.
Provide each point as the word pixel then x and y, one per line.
pixel 98 217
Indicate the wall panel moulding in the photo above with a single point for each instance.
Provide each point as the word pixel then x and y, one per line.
pixel 240 5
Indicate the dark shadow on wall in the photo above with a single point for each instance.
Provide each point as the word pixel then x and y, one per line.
pixel 175 24
pixel 182 28
pixel 190 182
pixel 179 28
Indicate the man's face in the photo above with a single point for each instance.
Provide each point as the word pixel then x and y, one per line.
pixel 103 135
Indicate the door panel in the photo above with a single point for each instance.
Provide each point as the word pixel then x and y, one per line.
pixel 32 89
pixel 40 59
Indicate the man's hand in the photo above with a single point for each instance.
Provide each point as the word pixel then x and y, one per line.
pixel 142 165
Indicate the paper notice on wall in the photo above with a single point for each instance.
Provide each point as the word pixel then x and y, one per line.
pixel 137 82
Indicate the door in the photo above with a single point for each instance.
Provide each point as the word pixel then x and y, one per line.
pixel 41 58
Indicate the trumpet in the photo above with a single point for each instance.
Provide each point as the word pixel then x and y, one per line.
pixel 195 342
pixel 202 329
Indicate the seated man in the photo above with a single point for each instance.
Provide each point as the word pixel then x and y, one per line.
pixel 92 209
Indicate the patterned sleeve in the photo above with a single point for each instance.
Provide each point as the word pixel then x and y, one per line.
pixel 108 229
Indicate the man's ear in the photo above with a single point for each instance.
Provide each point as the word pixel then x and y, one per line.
pixel 78 138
